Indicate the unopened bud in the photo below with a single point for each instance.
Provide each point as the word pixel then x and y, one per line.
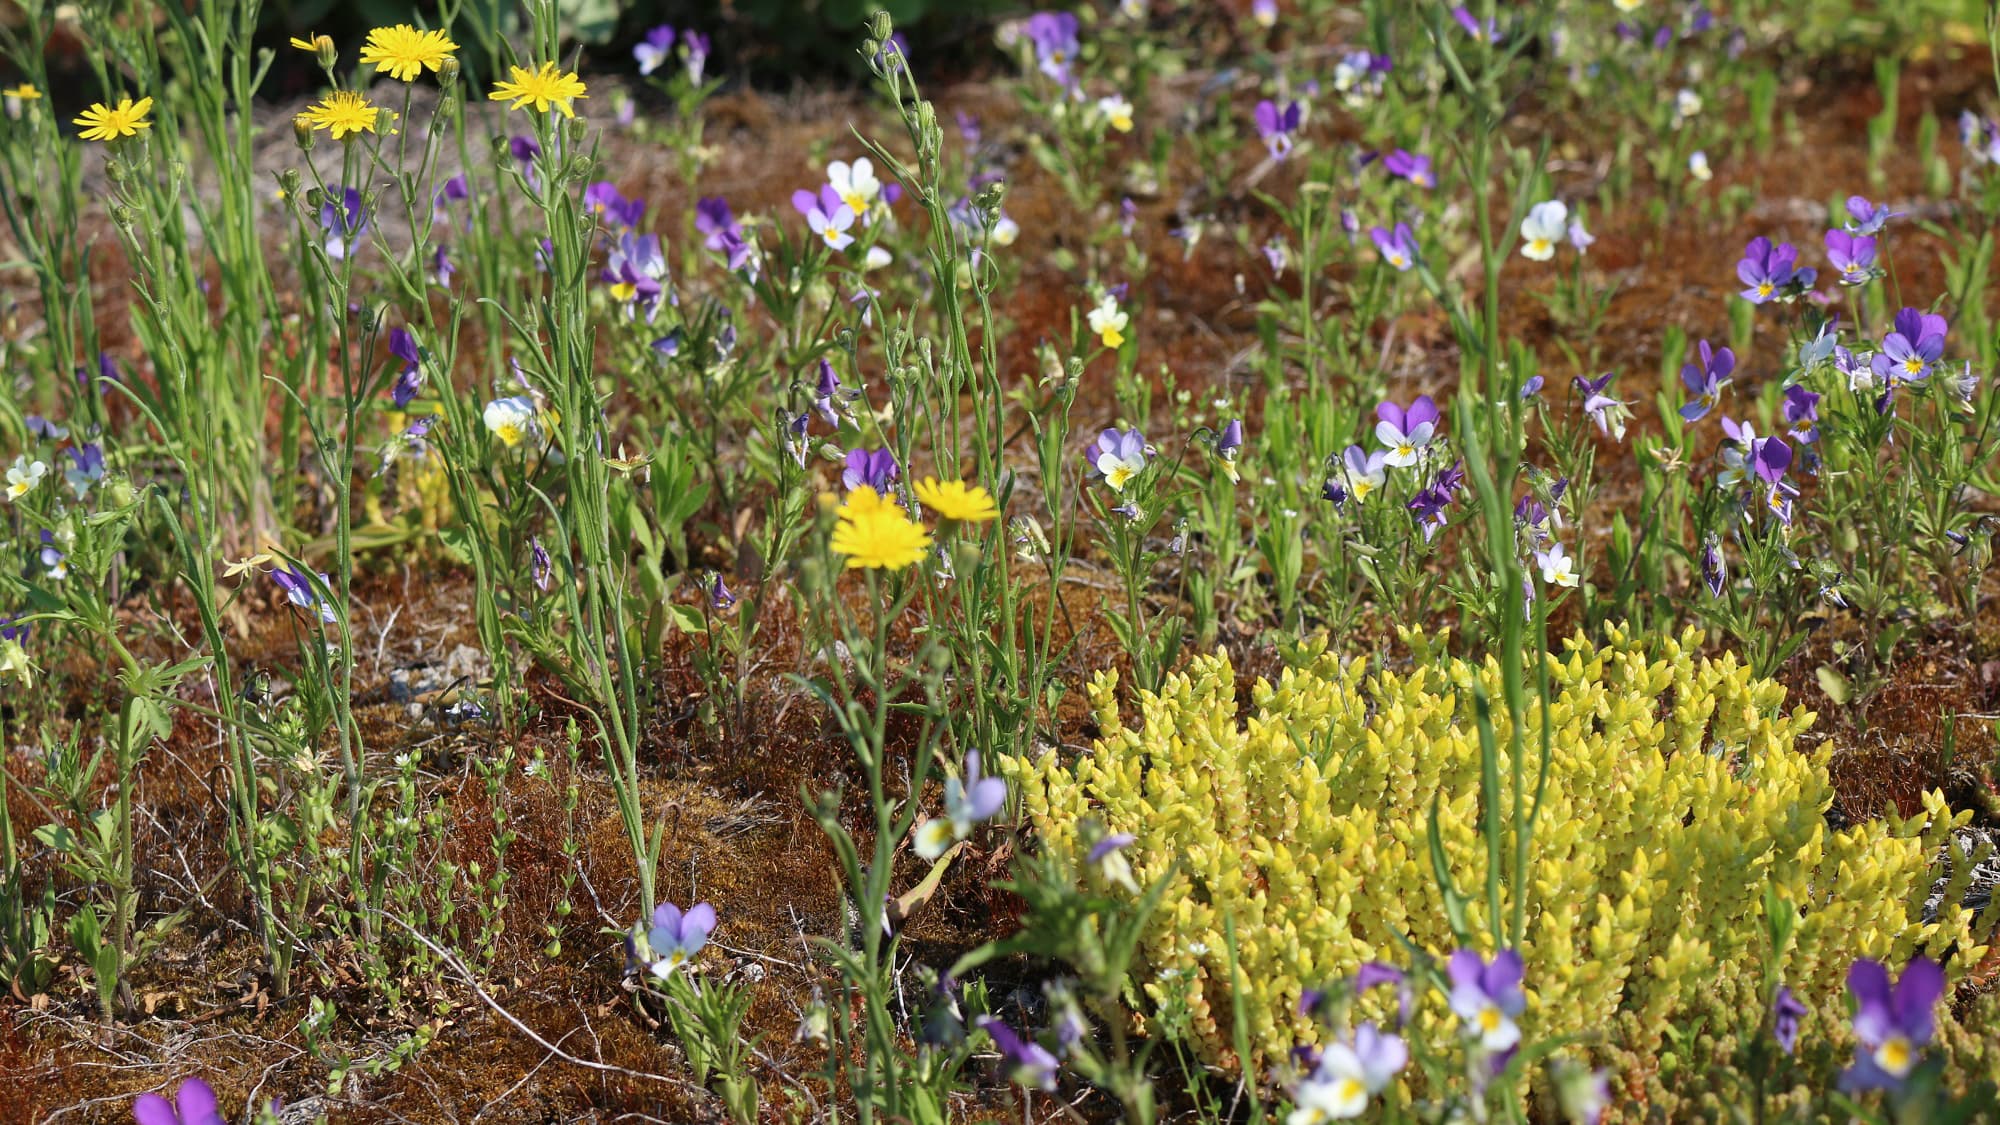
pixel 880 26
pixel 325 51
pixel 447 72
pixel 302 133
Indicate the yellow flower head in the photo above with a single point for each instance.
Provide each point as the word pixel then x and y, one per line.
pixel 956 500
pixel 344 112
pixel 543 88
pixel 108 123
pixel 402 52
pixel 876 535
pixel 314 44
pixel 24 92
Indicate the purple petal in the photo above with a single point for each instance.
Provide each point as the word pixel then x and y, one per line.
pixel 197 1103
pixel 986 797
pixel 699 921
pixel 1915 997
pixel 152 1109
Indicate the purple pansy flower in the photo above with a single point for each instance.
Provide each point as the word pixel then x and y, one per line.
pixel 1892 1024
pixel 635 270
pixel 1397 247
pixel 194 1104
pixel 604 198
pixel 1706 379
pixel 299 590
pixel 1276 125
pixel 1786 1012
pixel 343 219
pixel 1767 270
pixel 1801 413
pixel 1852 254
pixel 1406 433
pixel 1027 1062
pixel 1410 166
pixel 410 379
pixel 1864 217
pixel 1609 413
pixel 875 468
pixel 828 397
pixel 1488 997
pixel 968 800
pixel 541 567
pixel 653 50
pixel 675 938
pixel 1117 456
pixel 1914 343
pixel 1714 566
pixel 1054 37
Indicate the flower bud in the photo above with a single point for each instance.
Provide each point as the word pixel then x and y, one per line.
pixel 302 133
pixel 447 72
pixel 880 26
pixel 324 50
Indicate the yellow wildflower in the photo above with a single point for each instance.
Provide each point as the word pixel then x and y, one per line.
pixel 402 52
pixel 956 500
pixel 108 123
pixel 344 113
pixel 549 86
pixel 876 535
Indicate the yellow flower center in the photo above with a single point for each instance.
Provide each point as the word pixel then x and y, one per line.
pixel 1765 289
pixel 1113 338
pixel 1490 1017
pixel 1914 365
pixel 1896 1055
pixel 1541 246
pixel 854 202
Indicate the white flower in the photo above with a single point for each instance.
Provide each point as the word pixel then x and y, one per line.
pixel 14 663
pixel 1132 9
pixel 1109 321
pixel 833 228
pixel 854 183
pixel 24 476
pixel 512 420
pixel 1547 223
pixel 1687 103
pixel 1698 166
pixel 1117 111
pixel 1628 6
pixel 1557 567
pixel 876 258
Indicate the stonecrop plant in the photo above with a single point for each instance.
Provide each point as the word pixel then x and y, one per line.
pixel 1318 832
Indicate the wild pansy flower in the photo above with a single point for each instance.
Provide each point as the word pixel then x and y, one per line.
pixel 1557 568
pixel 854 184
pixel 543 88
pixel 675 937
pixel 300 591
pixel 1406 433
pixel 1410 166
pixel 194 1104
pixel 109 123
pixel 653 51
pixel 1801 414
pixel 86 467
pixel 402 52
pixel 1026 1062
pixel 1107 857
pixel 1768 270
pixel 1108 321
pixel 1914 343
pixel 1116 111
pixel 1698 167
pixel 410 379
pixel 1786 1012
pixel 1706 379
pixel 442 267
pixel 1852 254
pixel 875 534
pixel 634 272
pixel 1276 124
pixel 1227 445
pixel 1265 12
pixel 1465 19
pixel 875 468
pixel 968 801
pixel 1488 997
pixel 343 217
pixel 829 398
pixel 512 419
pixel 1714 566
pixel 1054 37
pixel 1769 458
pixel 1346 1074
pixel 1687 104
pixel 1580 238
pixel 1864 217
pixel 1360 474
pixel 23 476
pixel 1276 255
pixel 455 190
pixel 52 556
pixel 1117 456
pixel 1892 1024
pixel 541 568
pixel 1397 247
pixel 694 55
pixel 828 217
pixel 604 199
pixel 1609 413
pixel 1582 1093
pixel 1545 224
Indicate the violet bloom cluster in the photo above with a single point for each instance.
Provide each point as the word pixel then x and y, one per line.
pixel 1915 343
pixel 657 47
pixel 604 200
pixel 720 231
pixel 1397 247
pixel 1770 271
pixel 636 272
pixel 1893 1023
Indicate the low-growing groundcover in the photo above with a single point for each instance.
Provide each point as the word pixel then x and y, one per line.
pixel 1679 806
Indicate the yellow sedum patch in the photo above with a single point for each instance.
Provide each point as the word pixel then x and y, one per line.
pixel 1677 789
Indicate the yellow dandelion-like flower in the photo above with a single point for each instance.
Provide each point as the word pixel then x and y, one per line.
pixel 881 539
pixel 864 500
pixel 108 123
pixel 402 52
pixel 549 86
pixel 956 500
pixel 24 92
pixel 344 113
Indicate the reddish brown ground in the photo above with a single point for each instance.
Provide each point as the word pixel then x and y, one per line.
pixel 737 835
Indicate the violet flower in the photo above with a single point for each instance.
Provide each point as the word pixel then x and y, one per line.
pixel 635 272
pixel 1914 343
pixel 875 468
pixel 299 590
pixel 1228 445
pixel 1027 1062
pixel 541 567
pixel 694 55
pixel 1801 414
pixel 1410 166
pixel 1892 1025
pixel 675 938
pixel 1488 997
pixel 194 1104
pixel 1117 456
pixel 1786 1012
pixel 1397 247
pixel 1706 379
pixel 1609 413
pixel 1054 37
pixel 1767 270
pixel 1852 254
pixel 1406 433
pixel 653 51
pixel 343 219
pixel 968 801
pixel 410 379
pixel 828 397
pixel 1347 1073
pixel 1276 126
pixel 1714 566
pixel 604 198
pixel 828 217
pixel 1864 217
